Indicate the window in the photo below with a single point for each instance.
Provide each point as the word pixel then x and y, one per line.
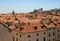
pixel 49 29
pixel 59 23
pixel 9 23
pixel 49 34
pixel 37 39
pixel 8 18
pixel 21 28
pixel 16 39
pixel 25 15
pixel 58 36
pixel 53 39
pixel 56 19
pixel 48 23
pixel 23 23
pixel 55 24
pixel 44 33
pixel 13 38
pixel 35 27
pixel 42 27
pixel 16 33
pixel 37 34
pixel 53 33
pixel 44 39
pixel 58 30
pixel 49 39
pixel 28 36
pixel 20 35
pixel 53 28
pixel 28 23
pixel 16 19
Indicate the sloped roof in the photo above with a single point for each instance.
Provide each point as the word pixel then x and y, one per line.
pixel 30 23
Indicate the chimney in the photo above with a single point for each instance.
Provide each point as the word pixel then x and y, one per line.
pixel 41 9
pixel 13 12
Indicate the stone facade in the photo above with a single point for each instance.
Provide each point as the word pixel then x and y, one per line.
pixel 5 35
pixel 48 35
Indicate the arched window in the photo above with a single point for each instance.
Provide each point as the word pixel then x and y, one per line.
pixel 13 39
pixel 44 39
pixel 16 39
pixel 37 39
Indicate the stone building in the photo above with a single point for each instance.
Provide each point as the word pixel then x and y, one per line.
pixel 43 32
pixel 30 27
pixel 5 34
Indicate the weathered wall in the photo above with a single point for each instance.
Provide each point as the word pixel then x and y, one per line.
pixel 4 34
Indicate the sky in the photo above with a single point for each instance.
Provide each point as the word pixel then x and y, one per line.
pixel 7 6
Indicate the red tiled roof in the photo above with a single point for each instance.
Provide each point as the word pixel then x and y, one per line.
pixel 29 28
pixel 34 21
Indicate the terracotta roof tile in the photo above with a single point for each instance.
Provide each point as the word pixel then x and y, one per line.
pixel 33 21
pixel 29 28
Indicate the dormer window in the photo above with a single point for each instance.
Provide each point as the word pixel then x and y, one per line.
pixel 9 23
pixel 28 23
pixel 48 23
pixel 16 19
pixel 23 23
pixel 35 27
pixel 55 24
pixel 8 18
pixel 21 28
pixel 42 27
pixel 59 23
pixel 56 19
pixel 36 15
pixel 25 15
